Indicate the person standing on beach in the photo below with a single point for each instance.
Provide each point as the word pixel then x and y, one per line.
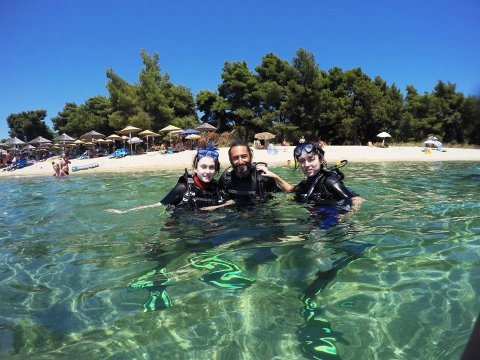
pixel 64 164
pixel 245 180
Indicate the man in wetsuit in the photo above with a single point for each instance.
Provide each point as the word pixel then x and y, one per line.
pixel 244 181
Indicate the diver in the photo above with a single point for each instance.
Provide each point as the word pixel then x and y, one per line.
pixel 245 180
pixel 192 191
pixel 323 187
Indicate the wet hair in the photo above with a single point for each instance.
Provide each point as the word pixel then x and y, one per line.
pixel 239 142
pixel 314 149
pixel 197 158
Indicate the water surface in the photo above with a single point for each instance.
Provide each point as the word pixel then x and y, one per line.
pixel 257 283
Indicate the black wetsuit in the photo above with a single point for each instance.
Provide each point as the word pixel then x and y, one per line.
pixel 328 188
pixel 188 194
pixel 253 187
pixel 328 195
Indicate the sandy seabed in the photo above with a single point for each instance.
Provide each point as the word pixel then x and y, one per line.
pixel 156 161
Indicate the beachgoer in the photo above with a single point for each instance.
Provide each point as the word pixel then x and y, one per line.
pixel 58 170
pixel 193 191
pixel 245 180
pixel 64 164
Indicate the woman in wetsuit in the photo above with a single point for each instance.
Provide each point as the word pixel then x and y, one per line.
pixel 323 187
pixel 192 191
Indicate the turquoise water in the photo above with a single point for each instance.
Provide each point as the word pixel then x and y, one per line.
pixel 256 283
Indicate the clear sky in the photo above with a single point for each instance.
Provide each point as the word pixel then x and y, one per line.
pixel 57 51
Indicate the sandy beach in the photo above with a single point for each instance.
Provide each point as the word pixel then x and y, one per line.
pixel 156 161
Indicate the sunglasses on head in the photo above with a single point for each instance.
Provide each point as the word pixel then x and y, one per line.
pixel 308 148
pixel 205 152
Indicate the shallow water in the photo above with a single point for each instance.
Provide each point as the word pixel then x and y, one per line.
pixel 397 280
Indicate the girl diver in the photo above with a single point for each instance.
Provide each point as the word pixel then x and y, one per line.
pixel 193 191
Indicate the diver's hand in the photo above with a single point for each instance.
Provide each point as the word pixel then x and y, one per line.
pixel 213 207
pixel 115 211
pixel 285 186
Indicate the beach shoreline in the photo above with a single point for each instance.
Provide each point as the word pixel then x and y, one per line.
pixel 156 161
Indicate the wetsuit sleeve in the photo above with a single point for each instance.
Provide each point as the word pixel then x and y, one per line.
pixel 336 187
pixel 175 196
pixel 271 185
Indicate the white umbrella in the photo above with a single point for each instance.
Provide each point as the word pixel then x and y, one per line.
pixel 384 135
pixel 134 140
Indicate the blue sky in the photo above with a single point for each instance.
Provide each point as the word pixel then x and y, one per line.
pixel 57 51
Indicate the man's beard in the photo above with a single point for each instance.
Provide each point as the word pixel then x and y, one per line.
pixel 242 171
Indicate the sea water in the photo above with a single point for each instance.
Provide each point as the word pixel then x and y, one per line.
pixel 397 280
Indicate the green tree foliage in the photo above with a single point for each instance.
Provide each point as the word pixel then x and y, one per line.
pixel 239 90
pixel 124 101
pixel 27 125
pixel 470 110
pixel 76 120
pixel 286 98
pixel 213 108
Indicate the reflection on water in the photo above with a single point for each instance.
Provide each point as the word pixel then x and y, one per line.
pixel 399 279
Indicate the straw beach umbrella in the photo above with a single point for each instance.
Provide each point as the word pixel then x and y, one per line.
pixel 15 142
pixel 206 127
pixel 63 138
pixel 169 128
pixel 130 130
pixel 40 140
pixel 147 134
pixel 92 135
pixel 28 149
pixel 264 136
pixel 114 137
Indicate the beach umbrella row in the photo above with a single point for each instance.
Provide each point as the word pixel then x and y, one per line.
pixel 93 136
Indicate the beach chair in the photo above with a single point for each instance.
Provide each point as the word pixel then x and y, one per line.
pixel 119 153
